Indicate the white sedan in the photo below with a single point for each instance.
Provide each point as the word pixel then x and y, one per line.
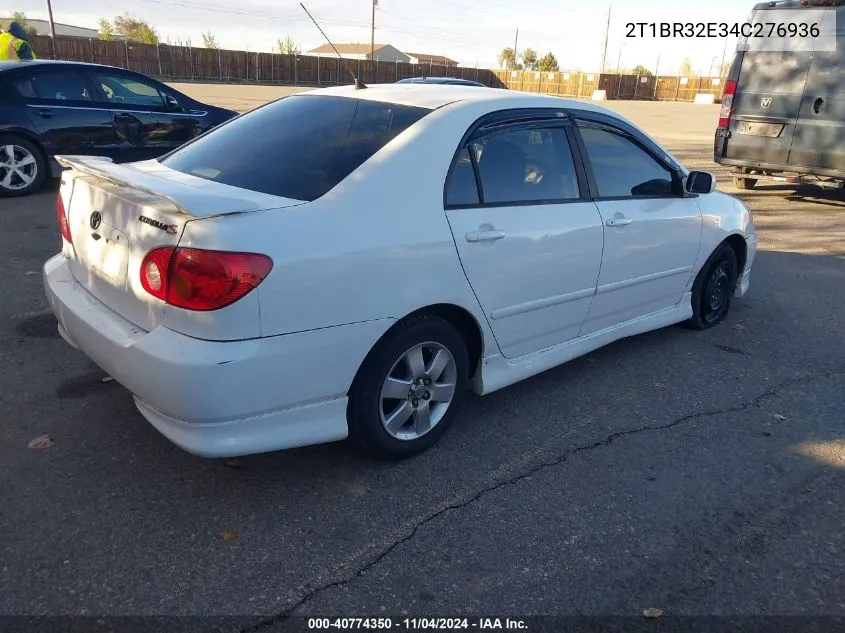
pixel 351 262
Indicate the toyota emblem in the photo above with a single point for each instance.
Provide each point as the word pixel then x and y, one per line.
pixel 95 220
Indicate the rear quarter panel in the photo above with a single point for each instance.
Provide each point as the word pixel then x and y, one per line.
pixel 14 115
pixel 377 246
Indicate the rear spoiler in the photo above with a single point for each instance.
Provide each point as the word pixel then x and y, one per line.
pixel 183 197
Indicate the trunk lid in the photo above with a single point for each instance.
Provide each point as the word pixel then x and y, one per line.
pixel 118 213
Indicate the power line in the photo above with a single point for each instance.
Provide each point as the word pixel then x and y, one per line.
pixel 431 34
pixel 485 9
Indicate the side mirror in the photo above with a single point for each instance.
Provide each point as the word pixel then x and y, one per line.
pixel 702 182
pixel 171 102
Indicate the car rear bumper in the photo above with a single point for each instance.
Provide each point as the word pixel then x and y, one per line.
pixel 806 170
pixel 219 399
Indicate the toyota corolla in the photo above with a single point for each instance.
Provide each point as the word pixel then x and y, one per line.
pixel 350 262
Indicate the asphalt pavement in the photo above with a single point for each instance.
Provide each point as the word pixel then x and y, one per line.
pixel 701 473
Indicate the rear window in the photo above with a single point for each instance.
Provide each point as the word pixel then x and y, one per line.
pixel 781 72
pixel 298 147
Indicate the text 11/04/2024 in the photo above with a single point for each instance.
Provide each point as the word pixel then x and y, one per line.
pixel 417 624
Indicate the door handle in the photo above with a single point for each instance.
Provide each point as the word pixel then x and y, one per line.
pixel 45 114
pixel 484 236
pixel 618 221
pixel 123 117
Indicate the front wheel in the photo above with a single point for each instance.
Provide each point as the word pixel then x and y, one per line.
pixel 23 169
pixel 714 288
pixel 409 388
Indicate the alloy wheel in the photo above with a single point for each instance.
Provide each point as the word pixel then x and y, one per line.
pixel 418 391
pixel 18 167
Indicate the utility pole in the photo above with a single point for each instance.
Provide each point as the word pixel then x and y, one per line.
pixel 515 42
pixel 606 37
pixel 619 60
pixel 724 54
pixel 373 32
pixel 52 29
pixel 712 64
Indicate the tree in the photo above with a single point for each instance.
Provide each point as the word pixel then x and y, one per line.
pixel 287 46
pixel 507 59
pixel 548 63
pixel 529 59
pixel 641 70
pixel 130 28
pixel 686 68
pixel 209 41
pixel 106 30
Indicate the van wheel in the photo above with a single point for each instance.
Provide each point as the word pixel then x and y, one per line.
pixel 409 388
pixel 713 289
pixel 744 183
pixel 23 169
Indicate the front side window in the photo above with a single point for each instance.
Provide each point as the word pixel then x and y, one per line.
pixel 527 165
pixel 298 147
pixel 622 168
pixel 128 90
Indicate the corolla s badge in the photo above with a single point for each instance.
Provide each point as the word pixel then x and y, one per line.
pixel 95 220
pixel 765 102
pixel 169 228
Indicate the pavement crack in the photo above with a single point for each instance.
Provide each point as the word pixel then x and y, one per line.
pixel 754 403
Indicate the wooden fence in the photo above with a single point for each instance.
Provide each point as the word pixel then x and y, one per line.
pixel 204 64
pixel 184 63
pixel 628 87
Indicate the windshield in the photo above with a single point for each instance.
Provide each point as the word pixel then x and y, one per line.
pixel 298 147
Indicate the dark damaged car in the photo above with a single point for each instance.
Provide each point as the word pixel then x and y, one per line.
pixel 50 107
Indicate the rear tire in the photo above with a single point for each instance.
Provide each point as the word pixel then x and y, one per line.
pixel 409 388
pixel 23 168
pixel 744 183
pixel 714 288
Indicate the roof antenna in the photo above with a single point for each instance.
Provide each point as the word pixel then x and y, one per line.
pixel 359 85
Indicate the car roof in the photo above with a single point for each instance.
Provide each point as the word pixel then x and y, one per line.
pixel 12 65
pixel 433 96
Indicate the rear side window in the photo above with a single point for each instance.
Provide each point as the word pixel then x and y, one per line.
pixel 56 86
pixel 462 188
pixel 298 147
pixel 526 165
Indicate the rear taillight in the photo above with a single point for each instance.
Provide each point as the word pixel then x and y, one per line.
pixel 727 104
pixel 198 279
pixel 64 227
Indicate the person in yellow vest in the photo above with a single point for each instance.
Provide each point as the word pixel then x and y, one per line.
pixel 14 44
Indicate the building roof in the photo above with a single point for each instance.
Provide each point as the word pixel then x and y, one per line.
pixel 43 28
pixel 429 58
pixel 348 49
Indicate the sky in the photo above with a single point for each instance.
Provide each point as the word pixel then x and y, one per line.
pixel 470 31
